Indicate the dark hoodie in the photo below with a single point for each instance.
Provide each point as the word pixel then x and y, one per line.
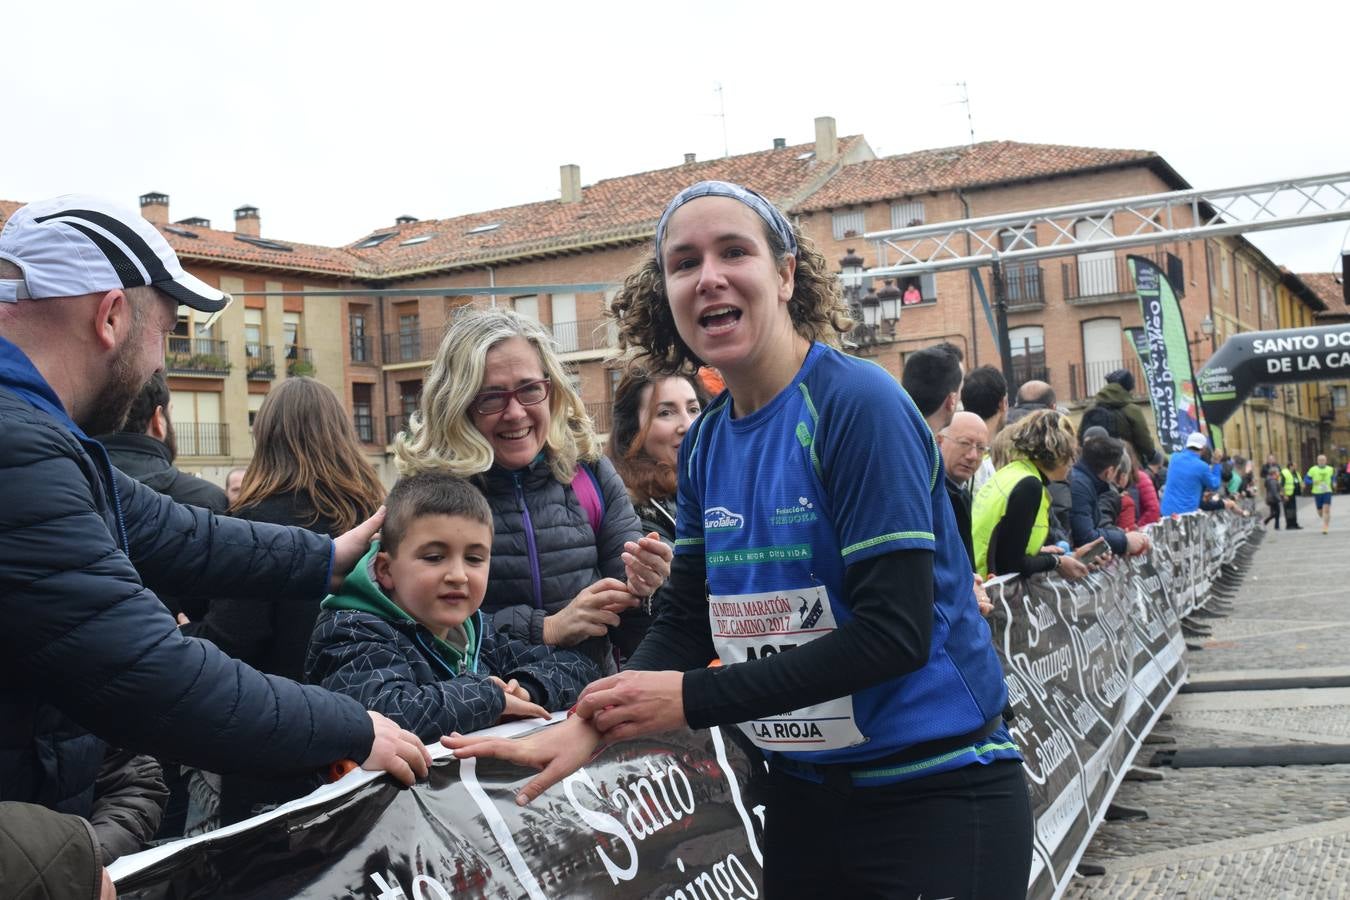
pixel 1133 426
pixel 369 648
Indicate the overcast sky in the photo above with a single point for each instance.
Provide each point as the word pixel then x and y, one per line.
pixel 333 118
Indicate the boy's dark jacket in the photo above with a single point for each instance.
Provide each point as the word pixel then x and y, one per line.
pixel 368 648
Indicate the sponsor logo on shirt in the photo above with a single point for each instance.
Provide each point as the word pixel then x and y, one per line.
pixel 794 514
pixel 719 518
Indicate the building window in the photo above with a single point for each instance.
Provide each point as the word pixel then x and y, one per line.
pixel 1021 280
pixel 1101 353
pixel 1339 396
pixel 1028 354
pixel 253 332
pixel 918 289
pixel 197 425
pixel 906 213
pixel 565 321
pixel 255 402
pixel 848 223
pixel 1097 269
pixel 290 334
pixel 1264 290
pixel 362 415
pixel 407 336
pixel 527 306
pixel 360 342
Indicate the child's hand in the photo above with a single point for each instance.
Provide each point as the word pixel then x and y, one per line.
pixel 513 689
pixel 517 708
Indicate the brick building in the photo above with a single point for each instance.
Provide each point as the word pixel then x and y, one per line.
pixel 560 260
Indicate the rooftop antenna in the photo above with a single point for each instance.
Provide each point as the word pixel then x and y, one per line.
pixel 722 114
pixel 965 100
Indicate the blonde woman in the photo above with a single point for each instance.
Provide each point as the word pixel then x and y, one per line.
pixel 570 566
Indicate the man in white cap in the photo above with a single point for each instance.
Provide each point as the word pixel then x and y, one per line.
pixel 88 291
pixel 1188 477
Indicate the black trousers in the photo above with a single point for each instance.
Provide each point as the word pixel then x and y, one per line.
pixel 1291 512
pixel 964 834
pixel 1274 514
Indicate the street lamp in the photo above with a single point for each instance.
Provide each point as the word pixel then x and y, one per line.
pixel 889 298
pixel 871 311
pixel 851 272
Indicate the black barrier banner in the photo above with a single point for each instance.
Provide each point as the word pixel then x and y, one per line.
pixel 1286 356
pixel 1089 666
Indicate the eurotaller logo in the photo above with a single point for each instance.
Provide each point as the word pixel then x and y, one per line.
pixel 719 518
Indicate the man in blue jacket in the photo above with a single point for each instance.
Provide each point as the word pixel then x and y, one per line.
pixel 1090 480
pixel 88 291
pixel 1188 477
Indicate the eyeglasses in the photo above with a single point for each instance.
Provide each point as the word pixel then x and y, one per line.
pixel 531 393
pixel 967 445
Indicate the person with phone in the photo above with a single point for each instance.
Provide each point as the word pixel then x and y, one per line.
pixel 1093 478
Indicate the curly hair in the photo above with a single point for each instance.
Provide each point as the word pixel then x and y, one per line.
pixel 644 477
pixel 647 328
pixel 442 436
pixel 1044 438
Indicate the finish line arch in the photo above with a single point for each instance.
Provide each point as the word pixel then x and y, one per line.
pixel 1283 356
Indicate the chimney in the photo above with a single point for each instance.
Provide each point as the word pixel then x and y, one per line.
pixel 246 221
pixel 780 143
pixel 155 208
pixel 689 158
pixel 571 183
pixel 827 140
pixel 405 220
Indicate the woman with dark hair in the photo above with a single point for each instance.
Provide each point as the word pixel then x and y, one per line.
pixel 308 469
pixel 818 559
pixel 651 417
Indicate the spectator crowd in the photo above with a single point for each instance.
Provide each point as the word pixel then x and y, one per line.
pixel 182 657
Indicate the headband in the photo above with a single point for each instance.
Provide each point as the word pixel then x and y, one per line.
pixel 772 218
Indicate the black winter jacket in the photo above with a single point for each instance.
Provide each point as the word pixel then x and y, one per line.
pixel 82 547
pixel 149 462
pixel 368 648
pixel 544 551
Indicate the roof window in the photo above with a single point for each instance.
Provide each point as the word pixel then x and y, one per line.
pixel 181 232
pixel 483 229
pixel 420 239
pixel 375 240
pixel 263 243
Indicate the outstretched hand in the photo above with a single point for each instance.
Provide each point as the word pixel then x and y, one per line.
pixel 634 703
pixel 348 548
pixel 396 751
pixel 557 752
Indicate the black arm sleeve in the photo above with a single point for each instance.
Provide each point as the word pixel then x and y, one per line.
pixel 1008 542
pixel 889 636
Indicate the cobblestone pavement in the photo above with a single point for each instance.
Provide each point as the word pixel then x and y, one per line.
pixel 1256 832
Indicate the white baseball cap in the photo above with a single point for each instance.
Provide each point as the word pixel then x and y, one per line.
pixel 77 244
pixel 1196 441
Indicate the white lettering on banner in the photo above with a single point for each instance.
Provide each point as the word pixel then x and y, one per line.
pixel 752 626
pixel 1052 666
pixel 1054 824
pixel 1052 752
pixel 1095 767
pixel 644 812
pixel 1112 685
pixel 726 878
pixel 1016 693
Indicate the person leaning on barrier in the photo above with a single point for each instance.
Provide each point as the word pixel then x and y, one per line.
pixel 1189 477
pixel 88 292
pixel 1093 485
pixel 1010 520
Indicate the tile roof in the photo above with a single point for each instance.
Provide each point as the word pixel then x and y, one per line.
pixel 947 168
pixel 614 210
pixel 208 245
pixel 1325 286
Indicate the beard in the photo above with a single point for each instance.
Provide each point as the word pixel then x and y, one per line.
pixel 108 412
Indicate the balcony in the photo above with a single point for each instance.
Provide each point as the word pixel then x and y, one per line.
pixel 259 362
pixel 1028 368
pixel 1023 286
pixel 1100 280
pixel 1086 379
pixel 600 414
pixel 414 345
pixel 202 438
pixel 393 425
pixel 299 361
pixel 587 335
pixel 1326 410
pixel 364 423
pixel 196 356
pixel 362 350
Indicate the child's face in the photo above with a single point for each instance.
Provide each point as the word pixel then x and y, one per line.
pixel 439 573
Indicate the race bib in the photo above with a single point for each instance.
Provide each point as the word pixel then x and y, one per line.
pixel 753 626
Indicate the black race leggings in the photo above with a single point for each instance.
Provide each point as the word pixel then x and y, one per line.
pixel 964 834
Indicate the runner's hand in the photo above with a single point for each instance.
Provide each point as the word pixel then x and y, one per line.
pixel 396 751
pixel 634 703
pixel 558 751
pixel 590 614
pixel 647 564
pixel 348 548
